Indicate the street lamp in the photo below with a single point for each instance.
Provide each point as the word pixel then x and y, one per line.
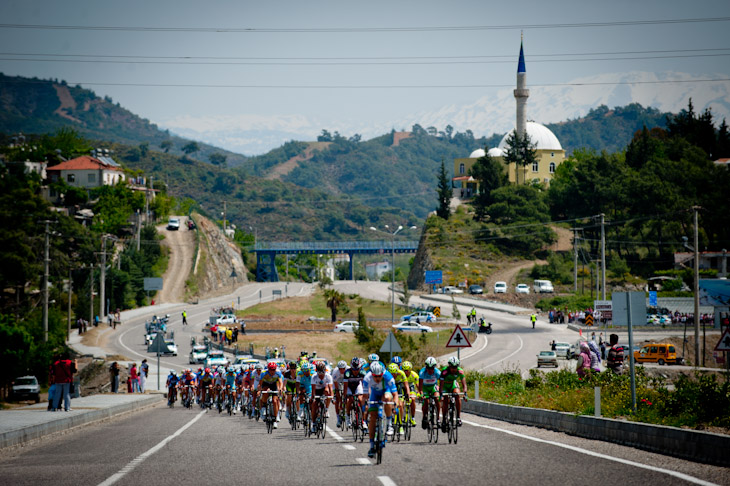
pixel 392 263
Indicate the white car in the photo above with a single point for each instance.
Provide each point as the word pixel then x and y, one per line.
pixel 224 319
pixel 411 326
pixel 198 354
pixel 347 326
pixel 173 224
pixel 423 316
pixel 215 358
pixel 450 289
pixel 171 347
pixel 500 288
pixel 522 289
pixel 244 360
pixel 562 350
pixel 547 358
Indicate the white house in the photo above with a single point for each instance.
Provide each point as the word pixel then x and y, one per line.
pixel 86 172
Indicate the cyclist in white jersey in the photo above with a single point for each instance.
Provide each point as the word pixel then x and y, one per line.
pixel 338 377
pixel 321 386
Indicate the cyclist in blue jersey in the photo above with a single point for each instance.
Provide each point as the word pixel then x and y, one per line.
pixel 230 378
pixel 428 386
pixel 304 386
pixel 381 387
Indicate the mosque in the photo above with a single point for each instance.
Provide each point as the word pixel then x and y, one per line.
pixel 550 153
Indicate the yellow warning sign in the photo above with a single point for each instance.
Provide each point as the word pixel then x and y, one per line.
pixel 589 320
pixel 437 311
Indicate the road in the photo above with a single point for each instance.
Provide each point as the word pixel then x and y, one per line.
pixel 182 247
pixel 164 446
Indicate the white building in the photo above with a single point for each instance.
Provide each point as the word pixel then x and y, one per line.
pixel 375 271
pixel 87 172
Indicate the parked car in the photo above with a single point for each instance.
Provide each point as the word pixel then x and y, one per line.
pixel 347 326
pixel 562 350
pixel 661 353
pixel 547 358
pixel 173 224
pixel 522 289
pixel 198 354
pixel 26 388
pixel 476 289
pixel 450 289
pixel 215 358
pixel 224 319
pixel 411 326
pixel 244 360
pixel 421 315
pixel 500 288
pixel 542 286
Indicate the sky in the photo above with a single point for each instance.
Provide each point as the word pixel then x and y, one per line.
pixel 282 65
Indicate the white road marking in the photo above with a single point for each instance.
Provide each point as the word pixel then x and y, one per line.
pixel 486 341
pixel 349 447
pixel 676 474
pixel 386 481
pixel 142 457
pixel 364 461
pixel 334 434
pixel 522 344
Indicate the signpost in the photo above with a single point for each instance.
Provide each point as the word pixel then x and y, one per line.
pixel 629 307
pixel 724 345
pixel 390 346
pixel 604 308
pixel 158 346
pixel 152 283
pixel 458 340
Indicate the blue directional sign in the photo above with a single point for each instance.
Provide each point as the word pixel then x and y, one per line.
pixel 652 298
pixel 434 277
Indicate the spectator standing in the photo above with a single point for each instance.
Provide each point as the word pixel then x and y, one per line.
pixel 603 350
pixel 615 360
pixel 144 371
pixel 134 378
pixel 584 360
pixel 185 317
pixel 229 335
pixel 114 376
pixel 52 384
pixel 63 370
pixel 276 353
pixel 283 351
pixel 595 356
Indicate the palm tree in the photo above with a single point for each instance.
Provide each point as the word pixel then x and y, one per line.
pixel 334 300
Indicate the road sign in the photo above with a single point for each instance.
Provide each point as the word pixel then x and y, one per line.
pixel 638 308
pixel 434 277
pixel 158 345
pixel 390 345
pixel 458 339
pixel 437 311
pixel 153 283
pixel 724 343
pixel 652 298
pixel 603 305
pixel 589 319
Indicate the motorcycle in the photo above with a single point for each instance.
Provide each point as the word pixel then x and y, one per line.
pixel 485 329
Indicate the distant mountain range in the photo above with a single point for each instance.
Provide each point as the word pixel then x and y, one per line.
pixel 487 116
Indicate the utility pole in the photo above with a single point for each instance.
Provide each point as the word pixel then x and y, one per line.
pixel 70 292
pixel 603 259
pixel 102 279
pixel 91 294
pixel 46 262
pixel 697 288
pixel 224 217
pixel 139 228
pixel 575 260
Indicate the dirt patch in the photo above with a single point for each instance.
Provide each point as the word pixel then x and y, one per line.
pixel 283 169
pixel 565 239
pixel 67 102
pixel 98 336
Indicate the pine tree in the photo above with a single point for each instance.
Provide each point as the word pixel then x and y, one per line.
pixel 445 192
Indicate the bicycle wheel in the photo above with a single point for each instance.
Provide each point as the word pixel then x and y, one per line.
pixel 379 441
pixel 456 433
pixel 450 425
pixel 431 424
pixel 322 420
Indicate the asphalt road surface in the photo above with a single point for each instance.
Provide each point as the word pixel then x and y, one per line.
pixel 164 446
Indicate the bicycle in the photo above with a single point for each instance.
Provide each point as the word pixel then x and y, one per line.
pixel 171 396
pixel 292 411
pixel 306 416
pixel 320 423
pixel 343 413
pixel 356 419
pixel 189 397
pixel 433 425
pixel 380 437
pixel 407 425
pixel 230 403
pixel 452 425
pixel 270 418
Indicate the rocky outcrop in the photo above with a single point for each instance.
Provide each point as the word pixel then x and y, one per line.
pixel 218 260
pixel 421 263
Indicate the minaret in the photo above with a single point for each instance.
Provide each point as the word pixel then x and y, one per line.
pixel 521 94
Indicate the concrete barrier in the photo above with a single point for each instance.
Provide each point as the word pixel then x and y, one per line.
pixel 694 445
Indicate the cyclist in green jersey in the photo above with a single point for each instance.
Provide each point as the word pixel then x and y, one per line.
pixel 453 380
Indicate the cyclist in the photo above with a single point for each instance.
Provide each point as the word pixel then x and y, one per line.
pixel 397 360
pixel 380 386
pixel 205 386
pixel 239 387
pixel 401 383
pixel 321 386
pixel 353 381
pixel 230 378
pixel 272 380
pixel 304 387
pixel 338 377
pixel 171 387
pixel 451 377
pixel 428 386
pixel 412 378
pixel 219 379
pixel 290 383
pixel 255 378
pixel 188 383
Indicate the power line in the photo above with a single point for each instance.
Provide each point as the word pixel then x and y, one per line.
pixel 341 30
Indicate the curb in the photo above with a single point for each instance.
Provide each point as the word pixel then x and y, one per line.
pixel 697 446
pixel 24 435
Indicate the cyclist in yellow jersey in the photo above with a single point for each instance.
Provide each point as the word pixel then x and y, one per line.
pixel 412 378
pixel 401 382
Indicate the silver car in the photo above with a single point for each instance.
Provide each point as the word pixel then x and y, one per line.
pixel 547 358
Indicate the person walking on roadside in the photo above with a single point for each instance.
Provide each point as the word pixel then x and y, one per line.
pixel 185 317
pixel 63 370
pixel 114 376
pixel 144 371
pixel 615 359
pixel 533 319
pixel 583 367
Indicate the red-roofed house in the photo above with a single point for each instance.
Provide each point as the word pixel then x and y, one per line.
pixel 86 172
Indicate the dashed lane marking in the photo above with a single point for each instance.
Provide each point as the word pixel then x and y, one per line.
pixel 364 461
pixel 349 447
pixel 386 481
pixel 142 457
pixel 334 434
pixel 522 344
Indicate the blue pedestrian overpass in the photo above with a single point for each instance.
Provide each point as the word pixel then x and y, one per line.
pixel 266 252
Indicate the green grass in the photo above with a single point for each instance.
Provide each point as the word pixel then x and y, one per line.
pixel 315 305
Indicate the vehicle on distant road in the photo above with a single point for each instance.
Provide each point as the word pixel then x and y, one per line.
pixel 411 326
pixel 547 358
pixel 661 353
pixel 542 286
pixel 420 315
pixel 26 388
pixel 244 360
pixel 198 354
pixel 450 289
pixel 522 289
pixel 562 350
pixel 173 224
pixel 476 289
pixel 171 347
pixel 500 288
pixel 215 358
pixel 347 326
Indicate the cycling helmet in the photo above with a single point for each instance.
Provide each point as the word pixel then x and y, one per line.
pixel 341 364
pixel 207 370
pixel 230 369
pixel 292 364
pixel 259 366
pixel 303 353
pixel 200 370
pixel 355 363
pixel 430 362
pixel 454 361
pixel 407 366
pixel 393 368
pixel 373 357
pixel 306 368
pixel 321 368
pixel 172 372
pixel 397 360
pixel 271 366
pixel 377 368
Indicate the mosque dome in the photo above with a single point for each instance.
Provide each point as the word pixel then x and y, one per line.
pixel 495 152
pixel 540 135
pixel 477 153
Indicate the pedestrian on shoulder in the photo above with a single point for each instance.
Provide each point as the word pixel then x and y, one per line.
pixel 615 359
pixel 114 376
pixel 63 371
pixel 134 378
pixel 583 366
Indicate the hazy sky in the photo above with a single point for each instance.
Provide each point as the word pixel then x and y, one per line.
pixel 357 52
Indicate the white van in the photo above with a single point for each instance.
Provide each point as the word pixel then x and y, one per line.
pixel 542 286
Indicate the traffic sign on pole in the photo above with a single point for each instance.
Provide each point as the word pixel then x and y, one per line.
pixel 458 339
pixel 724 343
pixel 390 345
